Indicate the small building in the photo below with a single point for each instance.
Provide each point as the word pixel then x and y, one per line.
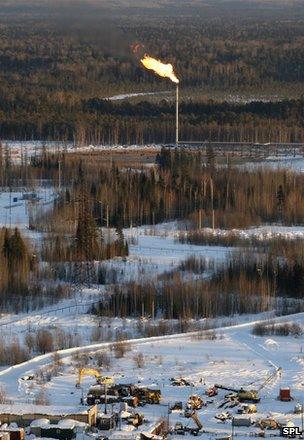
pixel 25 414
pixel 4 435
pixel 36 425
pixel 285 395
pixel 14 433
pixel 241 421
pixel 64 430
pixel 106 422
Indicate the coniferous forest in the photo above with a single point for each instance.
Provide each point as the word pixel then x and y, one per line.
pixel 99 198
pixel 70 72
pixel 59 64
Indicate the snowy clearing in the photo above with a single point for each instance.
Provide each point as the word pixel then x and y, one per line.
pixel 235 358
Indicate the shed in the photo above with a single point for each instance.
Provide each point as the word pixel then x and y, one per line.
pixel 14 433
pixel 105 422
pixel 36 425
pixel 64 430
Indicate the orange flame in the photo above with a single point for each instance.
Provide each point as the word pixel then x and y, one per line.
pixel 164 70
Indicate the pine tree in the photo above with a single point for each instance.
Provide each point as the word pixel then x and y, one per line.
pixel 86 235
pixel 17 260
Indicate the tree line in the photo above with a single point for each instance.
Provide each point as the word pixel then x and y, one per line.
pixel 55 77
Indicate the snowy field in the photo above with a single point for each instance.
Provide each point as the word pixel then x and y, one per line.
pixel 261 233
pixel 294 163
pixel 16 207
pixel 153 250
pixel 235 358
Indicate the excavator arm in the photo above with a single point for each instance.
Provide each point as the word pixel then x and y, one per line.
pixel 87 372
pixel 196 419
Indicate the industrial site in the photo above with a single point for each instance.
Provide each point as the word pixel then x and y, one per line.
pixel 151 219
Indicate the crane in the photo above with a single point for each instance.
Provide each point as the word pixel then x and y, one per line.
pixel 251 395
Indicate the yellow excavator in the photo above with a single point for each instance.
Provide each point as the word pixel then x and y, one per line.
pixel 106 380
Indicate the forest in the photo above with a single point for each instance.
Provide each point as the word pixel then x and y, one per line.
pixel 241 80
pixel 97 199
pixel 55 73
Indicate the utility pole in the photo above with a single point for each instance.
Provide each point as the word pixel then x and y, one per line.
pixel 107 216
pixel 302 418
pixel 177 117
pixel 200 218
pixel 212 202
pixel 59 175
pixel 106 398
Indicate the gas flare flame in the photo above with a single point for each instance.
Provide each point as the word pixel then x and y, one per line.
pixel 161 69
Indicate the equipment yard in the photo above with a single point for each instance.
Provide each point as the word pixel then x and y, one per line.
pixel 176 368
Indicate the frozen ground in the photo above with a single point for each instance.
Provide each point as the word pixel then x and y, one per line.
pixel 16 207
pixel 264 232
pixel 292 162
pixel 236 359
pixel 136 95
pixel 155 250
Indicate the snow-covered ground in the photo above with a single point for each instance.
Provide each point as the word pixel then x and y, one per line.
pixel 264 232
pixel 294 163
pixel 136 95
pixel 236 358
pixel 155 250
pixel 16 207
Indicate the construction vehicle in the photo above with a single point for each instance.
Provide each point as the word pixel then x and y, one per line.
pixel 147 395
pixel 177 406
pixel 223 416
pixel 197 421
pixel 247 409
pixel 251 396
pixel 181 382
pixel 195 402
pixel 92 372
pixel 268 424
pixel 179 429
pixel 299 408
pixel 135 419
pixel 211 392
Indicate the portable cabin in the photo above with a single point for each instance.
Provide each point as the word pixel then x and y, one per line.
pixel 106 422
pixel 64 430
pixel 285 395
pixel 241 421
pixel 36 425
